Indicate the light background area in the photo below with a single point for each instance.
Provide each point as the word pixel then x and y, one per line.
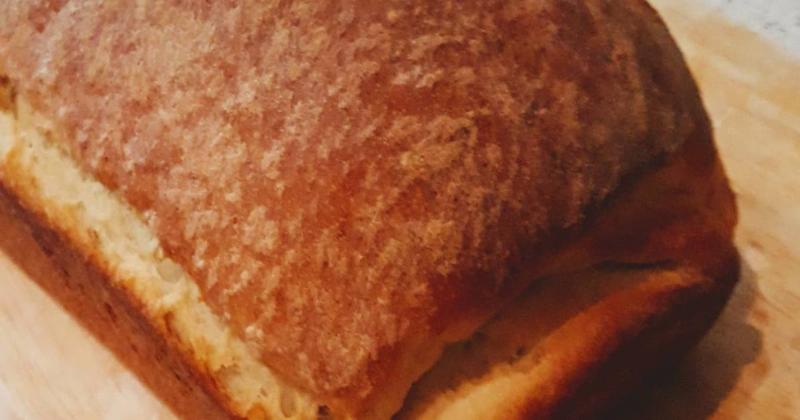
pixel 776 20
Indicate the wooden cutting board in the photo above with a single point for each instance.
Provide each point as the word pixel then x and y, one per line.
pixel 748 366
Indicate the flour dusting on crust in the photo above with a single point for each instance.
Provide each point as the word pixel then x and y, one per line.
pixel 342 177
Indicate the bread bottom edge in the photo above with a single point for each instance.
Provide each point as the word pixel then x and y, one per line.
pixel 106 311
pixel 685 312
pixel 106 246
pixel 582 338
pixel 663 340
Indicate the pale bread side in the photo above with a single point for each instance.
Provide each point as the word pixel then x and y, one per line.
pixel 113 237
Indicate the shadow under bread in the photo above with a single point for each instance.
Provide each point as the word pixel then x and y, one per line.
pixel 695 387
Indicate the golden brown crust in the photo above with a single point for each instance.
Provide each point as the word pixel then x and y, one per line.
pixel 578 341
pixel 575 344
pixel 677 320
pixel 339 176
pixel 614 342
pixel 664 215
pixel 116 243
pixel 683 216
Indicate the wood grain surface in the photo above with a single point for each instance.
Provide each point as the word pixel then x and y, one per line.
pixel 748 366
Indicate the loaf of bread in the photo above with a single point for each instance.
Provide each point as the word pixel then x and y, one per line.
pixel 309 207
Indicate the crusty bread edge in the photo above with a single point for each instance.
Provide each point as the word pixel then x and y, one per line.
pixel 111 316
pixel 109 313
pixel 679 316
pixel 596 357
pixel 157 295
pixel 672 226
pixel 606 353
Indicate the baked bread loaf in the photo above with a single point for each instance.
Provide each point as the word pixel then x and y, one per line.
pixel 307 204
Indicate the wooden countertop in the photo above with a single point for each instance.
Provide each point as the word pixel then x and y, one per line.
pixel 748 366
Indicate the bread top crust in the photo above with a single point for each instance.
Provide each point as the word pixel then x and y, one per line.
pixel 344 178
